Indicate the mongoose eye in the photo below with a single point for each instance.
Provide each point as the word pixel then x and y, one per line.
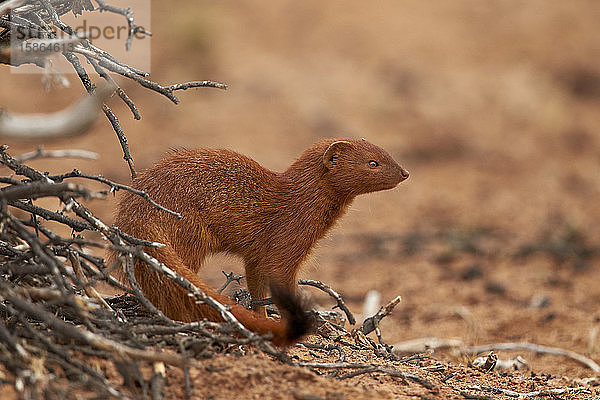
pixel 373 164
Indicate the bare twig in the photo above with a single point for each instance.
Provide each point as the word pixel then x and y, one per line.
pixel 127 261
pixel 84 305
pixel 167 91
pixel 372 323
pixel 89 290
pixel 71 153
pixel 367 368
pixel 196 84
pixel 110 115
pixel 114 186
pixel 426 343
pixel 104 74
pixel 536 348
pixel 135 241
pixel 75 224
pixel 10 5
pixel 332 293
pixel 475 396
pixel 537 393
pixel 329 347
pixel 128 14
pixel 35 190
pixel 230 277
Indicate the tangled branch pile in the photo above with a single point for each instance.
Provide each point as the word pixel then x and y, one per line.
pixel 52 315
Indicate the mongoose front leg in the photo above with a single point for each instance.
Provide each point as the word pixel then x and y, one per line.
pixel 258 288
pixel 258 285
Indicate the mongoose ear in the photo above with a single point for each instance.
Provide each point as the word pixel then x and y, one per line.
pixel 334 149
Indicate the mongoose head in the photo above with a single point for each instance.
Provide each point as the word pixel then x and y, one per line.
pixel 356 166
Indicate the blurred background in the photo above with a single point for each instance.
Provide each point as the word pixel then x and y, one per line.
pixel 491 106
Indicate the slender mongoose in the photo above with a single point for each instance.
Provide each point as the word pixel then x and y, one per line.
pixel 229 203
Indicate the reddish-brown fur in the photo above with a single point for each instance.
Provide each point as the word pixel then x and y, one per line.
pixel 230 203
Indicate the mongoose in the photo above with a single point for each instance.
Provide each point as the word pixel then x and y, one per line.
pixel 230 203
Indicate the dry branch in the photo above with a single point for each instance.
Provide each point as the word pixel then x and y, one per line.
pixel 229 278
pixel 89 290
pixel 536 348
pixel 370 324
pixel 128 14
pixel 114 187
pixel 72 121
pixel 332 293
pixel 536 393
pixel 367 368
pixel 71 153
pixel 84 336
pixel 421 345
pixel 38 189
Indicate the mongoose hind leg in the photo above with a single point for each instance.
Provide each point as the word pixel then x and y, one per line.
pixel 170 297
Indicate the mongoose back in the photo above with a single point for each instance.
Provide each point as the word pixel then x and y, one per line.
pixel 230 203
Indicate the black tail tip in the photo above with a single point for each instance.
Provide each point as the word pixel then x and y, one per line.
pixel 298 320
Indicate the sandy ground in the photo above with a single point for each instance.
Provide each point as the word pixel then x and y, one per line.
pixel 492 106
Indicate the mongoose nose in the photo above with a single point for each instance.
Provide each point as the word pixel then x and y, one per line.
pixel 404 173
